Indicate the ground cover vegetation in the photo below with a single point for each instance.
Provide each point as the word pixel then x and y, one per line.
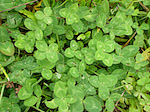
pixel 74 56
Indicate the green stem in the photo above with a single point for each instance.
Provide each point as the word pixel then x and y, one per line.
pixel 3 81
pixel 37 81
pixel 94 72
pixel 37 109
pixel 2 92
pixel 46 85
pixel 83 3
pixel 62 4
pixel 3 70
pixel 118 87
pixel 46 3
pixel 58 41
pixel 27 109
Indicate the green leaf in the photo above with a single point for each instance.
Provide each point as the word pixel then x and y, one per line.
pixel 99 55
pixel 53 46
pixel 48 20
pixel 82 66
pixel 77 107
pixel 69 53
pixel 101 20
pixel 73 45
pixel 20 44
pixel 78 27
pixel 7 48
pixel 60 68
pixel 59 29
pixel 30 101
pixel 89 59
pixel 74 72
pixel 110 105
pixel 147 108
pixel 100 45
pixel 47 11
pixel 52 56
pixel 6 4
pixel 54 103
pixel 39 55
pixel 109 46
pixel 30 24
pixel 41 45
pixel 94 81
pixel 147 87
pixel 130 50
pixel 63 107
pixel 90 17
pixel 60 89
pixel 72 18
pixel 39 34
pixel 82 11
pixel 24 94
pixel 47 74
pixel 108 60
pixel 79 55
pixel 142 81
pixel 37 90
pixel 39 15
pixel 81 37
pixel 111 80
pixel 103 92
pixel 115 96
pixel 70 99
pixel 92 104
pixel 29 48
pixel 63 12
pixel 144 26
pixel 69 35
pixel 4 34
pixel 73 8
pixel 14 19
pixel 77 91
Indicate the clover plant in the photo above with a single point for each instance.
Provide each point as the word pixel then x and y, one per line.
pixel 75 56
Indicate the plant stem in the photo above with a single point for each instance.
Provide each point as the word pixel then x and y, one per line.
pixel 146 8
pixel 37 81
pixel 3 70
pixel 27 109
pixel 2 91
pixel 62 4
pixel 129 40
pixel 58 41
pixel 94 72
pixel 46 3
pixel 46 85
pixel 18 6
pixel 37 109
pixel 118 87
pixel 121 96
pixel 3 81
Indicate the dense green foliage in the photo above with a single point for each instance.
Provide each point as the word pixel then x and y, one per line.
pixel 73 56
